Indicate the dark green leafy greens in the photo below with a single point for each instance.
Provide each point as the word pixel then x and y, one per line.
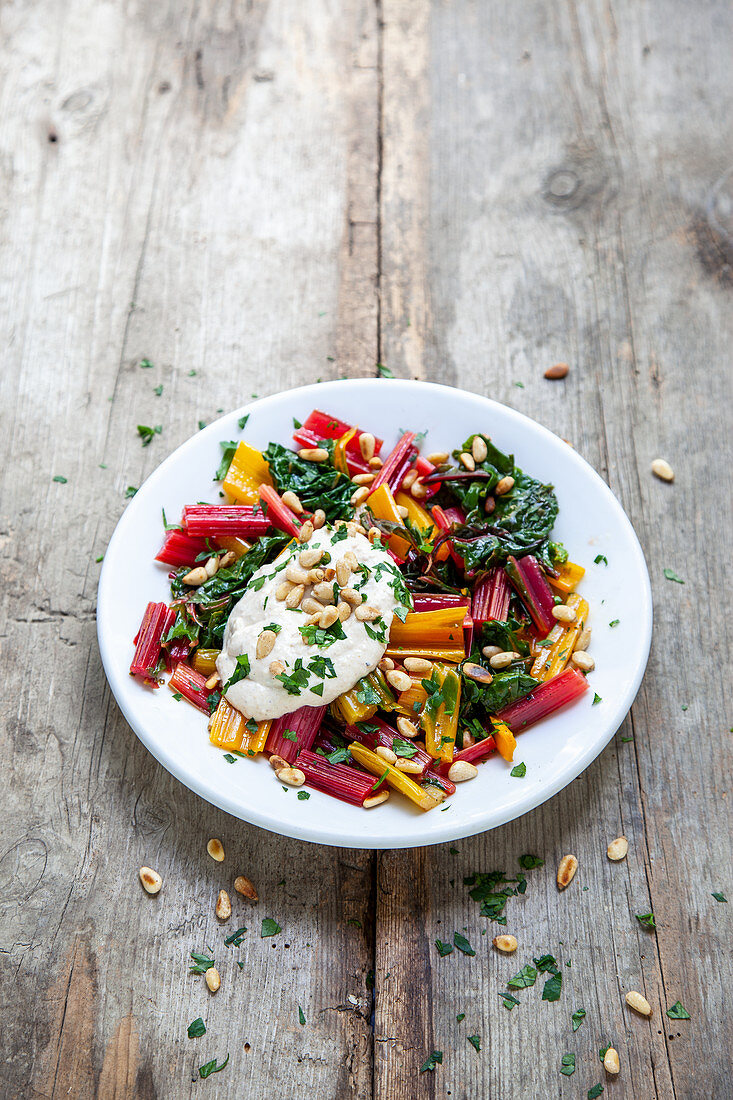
pixel 316 484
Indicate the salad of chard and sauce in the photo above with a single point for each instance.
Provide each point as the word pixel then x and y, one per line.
pixel 373 620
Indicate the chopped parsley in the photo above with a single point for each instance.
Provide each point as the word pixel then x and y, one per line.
pixel 718 896
pixel 492 890
pixel 61 480
pixel 229 758
pixel 596 699
pixel 313 634
pixel 146 364
pixel 460 1017
pixel 228 447
pixel 99 558
pixel 385 372
pixel 526 978
pixel 595 1091
pixel 552 988
pixel 646 919
pixel 235 938
pixel 130 492
pixel 146 433
pixel 201 964
pixel 520 771
pixel 677 1012
pixel 475 1041
pixel 301 1016
pixel 303 796
pixel 433 1060
pixel 462 944
pixel 614 622
pixel 290 735
pixel 405 749
pixel 241 672
pixel 177 696
pixel 528 862
pixel 158 390
pixel 270 927
pixel 381 779
pixel 509 1001
pixel 567 1066
pixel 600 558
pixel 672 576
pixel 294 682
pixel 444 948
pixel 242 422
pixel 577 1018
pixel 196 1028
pixel 212 1067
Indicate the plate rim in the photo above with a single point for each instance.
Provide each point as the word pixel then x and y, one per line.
pixel 313 833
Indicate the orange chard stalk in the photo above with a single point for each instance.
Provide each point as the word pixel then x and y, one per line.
pixel 439 719
pixel 569 577
pixel 395 778
pixel 553 659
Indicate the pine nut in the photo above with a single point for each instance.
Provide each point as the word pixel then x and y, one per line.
pixel 306 531
pixel 324 592
pixel 359 496
pixel 294 777
pixel 312 620
pixel 407 728
pixel 318 519
pixel 277 763
pixel 437 458
pixel 226 559
pixel 566 871
pixel 292 501
pixel 196 577
pixel 503 658
pixel 211 566
pixel 418 664
pixel 506 944
pixel 583 660
pixel 418 491
pixel 265 644
pixel 223 908
pixel 374 535
pixel 479 450
pixel 662 470
pixel 375 800
pixel 215 848
pixel 583 640
pixel 276 668
pixel 461 771
pixel 282 590
pixel 365 613
pixel 400 681
pixel 489 505
pixel 363 479
pixel 402 512
pixel 504 486
pixel 410 767
pixel 314 454
pixel 618 849
pixel 386 664
pixel 343 572
pixel 212 681
pixel 328 617
pixel 367 443
pixel 309 558
pixel 563 614
pixel 376 463
pixel 151 880
pixel 477 673
pixel 344 610
pixel 468 739
pixel 294 597
pixel 350 595
pixel 638 1003
pixel 409 478
pixel 212 979
pixel 491 650
pixel 244 887
pixel 295 574
pixel 311 606
pixel 611 1062
pixel 351 559
pixel 557 370
pixel 386 754
pixel 466 460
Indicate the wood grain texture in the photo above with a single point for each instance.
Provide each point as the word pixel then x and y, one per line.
pixel 269 193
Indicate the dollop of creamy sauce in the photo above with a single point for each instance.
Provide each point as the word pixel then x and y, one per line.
pixel 308 665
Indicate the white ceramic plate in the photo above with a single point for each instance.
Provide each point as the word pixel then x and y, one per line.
pixel 591 522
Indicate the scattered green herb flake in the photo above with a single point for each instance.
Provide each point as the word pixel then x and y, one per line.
pixel 552 988
pixel 99 558
pixel 526 978
pixel 646 919
pixel 475 1041
pixel 201 963
pixel 677 1012
pixel 546 963
pixel 600 558
pixel 102 465
pixel 462 944
pixel 202 425
pixel 529 862
pixel 519 385
pixel 270 927
pixel 301 1016
pixel 596 699
pixel 303 796
pixel 157 390
pixel 369 979
pixel 433 1060
pixel 196 1028
pixel 385 372
pixel 672 576
pixel 212 1067
pixel 146 433
pixel 460 1017
pixel 242 422
pixel 228 447
pixel 241 672
pixel 297 424
pixel 577 1018
pixel 520 771
pixel 192 374
pixel 627 738
pixel 602 1052
pixel 567 1067
pixel 509 1001
pixel 355 922
pixel 453 851
pixel 595 1091
pixel 718 896
pixel 229 758
pixel 236 937
pixel 61 480
pixel 177 696
pixel 614 622
pixel 290 735
pixel 130 492
pixel 444 948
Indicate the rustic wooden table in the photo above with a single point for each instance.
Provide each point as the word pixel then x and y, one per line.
pixel 255 195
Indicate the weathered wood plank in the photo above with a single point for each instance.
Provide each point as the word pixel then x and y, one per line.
pixel 576 210
pixel 207 166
